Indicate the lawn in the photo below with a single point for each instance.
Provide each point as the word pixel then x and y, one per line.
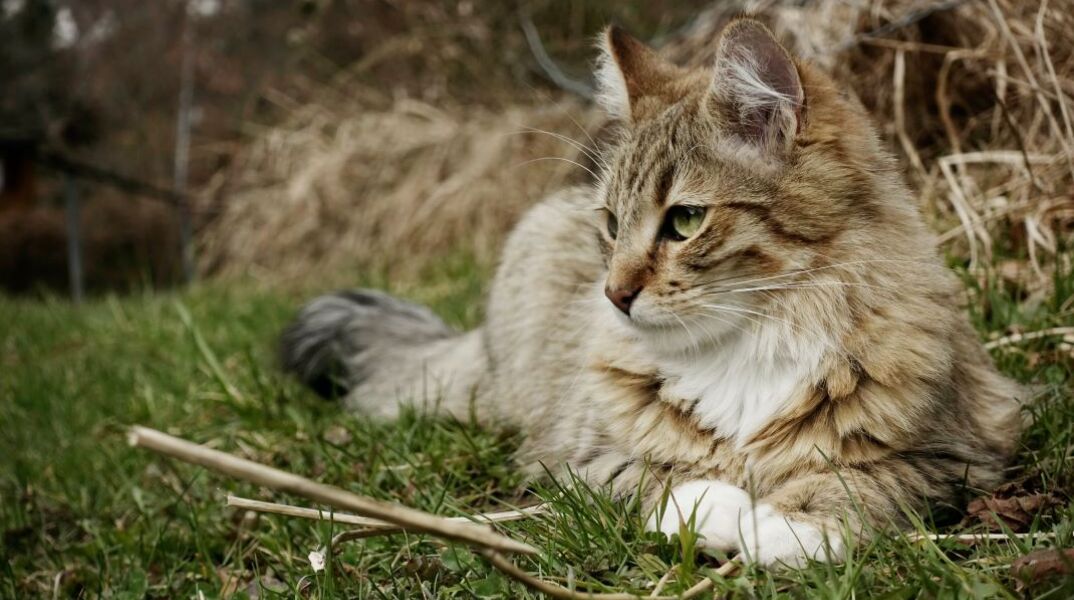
pixel 83 514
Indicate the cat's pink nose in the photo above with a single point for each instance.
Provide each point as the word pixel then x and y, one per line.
pixel 622 298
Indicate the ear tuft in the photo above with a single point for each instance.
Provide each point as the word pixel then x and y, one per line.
pixel 612 94
pixel 627 72
pixel 756 85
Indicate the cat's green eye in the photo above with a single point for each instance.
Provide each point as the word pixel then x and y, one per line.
pixel 683 221
pixel 613 225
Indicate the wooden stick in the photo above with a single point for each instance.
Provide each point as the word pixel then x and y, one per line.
pixel 555 590
pixel 372 526
pixel 977 537
pixel 550 588
pixel 487 542
pixel 663 581
pixel 407 518
pixel 1032 335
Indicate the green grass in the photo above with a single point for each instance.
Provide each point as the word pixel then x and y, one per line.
pixel 84 514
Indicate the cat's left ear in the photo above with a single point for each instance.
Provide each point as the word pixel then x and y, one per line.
pixel 632 81
pixel 756 91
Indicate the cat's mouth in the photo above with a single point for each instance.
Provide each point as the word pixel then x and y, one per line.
pixel 683 328
pixel 669 326
pixel 647 318
pixel 664 333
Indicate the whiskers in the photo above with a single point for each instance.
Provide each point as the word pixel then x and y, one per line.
pixel 559 158
pixel 813 322
pixel 589 152
pixel 695 345
pixel 787 281
pixel 796 329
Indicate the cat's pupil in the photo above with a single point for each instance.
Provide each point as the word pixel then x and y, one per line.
pixel 613 225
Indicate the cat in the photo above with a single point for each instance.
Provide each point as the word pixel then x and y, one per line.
pixel 745 309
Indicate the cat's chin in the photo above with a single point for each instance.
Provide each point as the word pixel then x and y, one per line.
pixel 640 322
pixel 671 335
pixel 661 337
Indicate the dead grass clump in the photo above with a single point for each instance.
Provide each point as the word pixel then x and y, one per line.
pixel 388 188
pixel 977 97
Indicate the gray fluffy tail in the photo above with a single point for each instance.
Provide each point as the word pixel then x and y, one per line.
pixel 378 351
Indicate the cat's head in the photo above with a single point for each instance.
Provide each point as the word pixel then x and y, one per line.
pixel 737 176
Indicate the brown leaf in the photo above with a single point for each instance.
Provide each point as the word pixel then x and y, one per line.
pixel 1010 506
pixel 1042 564
pixel 422 567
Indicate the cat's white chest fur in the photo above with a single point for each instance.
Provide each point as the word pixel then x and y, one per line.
pixel 739 386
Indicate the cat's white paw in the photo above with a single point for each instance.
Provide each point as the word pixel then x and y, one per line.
pixel 716 507
pixel 769 538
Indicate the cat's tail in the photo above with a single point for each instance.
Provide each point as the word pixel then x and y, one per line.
pixel 378 352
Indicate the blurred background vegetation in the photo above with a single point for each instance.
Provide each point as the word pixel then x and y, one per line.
pixel 330 134
pixel 98 83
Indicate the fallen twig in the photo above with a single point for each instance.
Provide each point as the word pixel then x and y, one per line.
pixel 979 537
pixel 408 518
pixel 487 542
pixel 557 591
pixel 1031 335
pixel 663 582
pixel 372 527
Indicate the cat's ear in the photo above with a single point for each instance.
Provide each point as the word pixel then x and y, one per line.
pixel 629 75
pixel 756 89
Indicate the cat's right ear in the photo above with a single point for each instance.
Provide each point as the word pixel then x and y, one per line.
pixel 756 89
pixel 630 76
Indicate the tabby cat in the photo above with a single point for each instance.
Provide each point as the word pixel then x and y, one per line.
pixel 746 309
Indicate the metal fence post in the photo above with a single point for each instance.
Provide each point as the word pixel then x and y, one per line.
pixel 74 237
pixel 182 151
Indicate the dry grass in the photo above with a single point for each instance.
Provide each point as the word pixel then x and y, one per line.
pixel 978 100
pixel 975 95
pixel 372 187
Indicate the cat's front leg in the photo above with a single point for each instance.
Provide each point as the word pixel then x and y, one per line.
pixel 715 508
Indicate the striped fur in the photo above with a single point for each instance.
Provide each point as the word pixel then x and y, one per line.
pixel 803 349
